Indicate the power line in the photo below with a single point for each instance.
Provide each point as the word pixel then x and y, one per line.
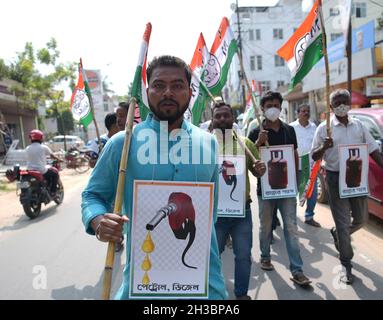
pixel 375 3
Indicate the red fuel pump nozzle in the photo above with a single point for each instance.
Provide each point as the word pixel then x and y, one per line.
pixel 181 214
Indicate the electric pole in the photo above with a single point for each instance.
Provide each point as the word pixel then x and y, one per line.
pixel 349 54
pixel 241 59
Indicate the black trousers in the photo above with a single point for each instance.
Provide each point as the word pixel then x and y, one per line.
pixel 52 179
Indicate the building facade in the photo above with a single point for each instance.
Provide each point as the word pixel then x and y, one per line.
pixel 263 31
pixel 367 60
pixel 16 118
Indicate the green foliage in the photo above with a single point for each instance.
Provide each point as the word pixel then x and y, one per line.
pixel 4 70
pixel 65 122
pixel 35 88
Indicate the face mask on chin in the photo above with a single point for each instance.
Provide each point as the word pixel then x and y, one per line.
pixel 342 110
pixel 272 114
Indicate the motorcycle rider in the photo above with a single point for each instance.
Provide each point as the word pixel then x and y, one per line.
pixel 36 154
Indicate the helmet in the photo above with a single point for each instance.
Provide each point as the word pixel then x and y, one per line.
pixel 36 135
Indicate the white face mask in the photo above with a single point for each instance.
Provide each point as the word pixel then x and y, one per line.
pixel 272 114
pixel 342 110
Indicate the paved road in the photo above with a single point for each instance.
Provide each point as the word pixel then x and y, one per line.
pixel 55 244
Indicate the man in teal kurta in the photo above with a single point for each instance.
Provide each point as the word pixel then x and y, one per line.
pixel 163 147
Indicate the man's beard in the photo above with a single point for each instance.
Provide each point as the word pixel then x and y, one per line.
pixel 163 116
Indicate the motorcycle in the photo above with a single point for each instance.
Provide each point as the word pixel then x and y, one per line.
pixel 33 189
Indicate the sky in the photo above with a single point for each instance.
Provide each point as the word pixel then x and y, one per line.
pixel 107 34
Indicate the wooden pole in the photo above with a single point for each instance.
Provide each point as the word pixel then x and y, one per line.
pixel 244 147
pixel 108 271
pixel 349 56
pixel 240 54
pixel 327 88
pixel 204 86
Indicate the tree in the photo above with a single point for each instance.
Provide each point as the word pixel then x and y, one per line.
pixel 34 88
pixel 65 122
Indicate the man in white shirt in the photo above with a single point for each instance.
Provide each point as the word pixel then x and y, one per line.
pixel 345 130
pixel 37 159
pixel 305 130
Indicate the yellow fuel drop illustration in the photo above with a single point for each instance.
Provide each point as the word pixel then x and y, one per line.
pixel 147 247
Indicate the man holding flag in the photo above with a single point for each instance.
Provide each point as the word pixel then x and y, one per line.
pixel 345 130
pixel 169 95
pixel 277 132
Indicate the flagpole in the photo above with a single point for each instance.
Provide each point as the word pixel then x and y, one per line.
pixel 256 109
pixel 324 50
pixel 108 271
pixel 204 86
pixel 91 108
pixel 244 147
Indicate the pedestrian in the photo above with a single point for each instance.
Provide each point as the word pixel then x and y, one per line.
pixel 110 122
pixel 344 130
pixel 305 130
pixel 121 114
pixel 276 132
pixel 169 94
pixel 239 228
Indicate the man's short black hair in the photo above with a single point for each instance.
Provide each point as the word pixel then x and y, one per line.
pixel 168 61
pixel 301 106
pixel 124 104
pixel 222 104
pixel 271 95
pixel 110 120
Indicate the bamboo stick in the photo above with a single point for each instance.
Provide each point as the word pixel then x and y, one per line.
pixel 244 147
pixel 108 271
pixel 327 88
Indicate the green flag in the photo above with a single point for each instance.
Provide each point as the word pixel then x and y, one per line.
pixel 80 101
pixel 305 165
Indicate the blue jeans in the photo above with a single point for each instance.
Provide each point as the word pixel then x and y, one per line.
pixel 288 209
pixel 309 213
pixel 241 232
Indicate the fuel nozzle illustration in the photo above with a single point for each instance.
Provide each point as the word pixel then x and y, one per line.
pixel 181 217
pixel 277 170
pixel 229 176
pixel 353 168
